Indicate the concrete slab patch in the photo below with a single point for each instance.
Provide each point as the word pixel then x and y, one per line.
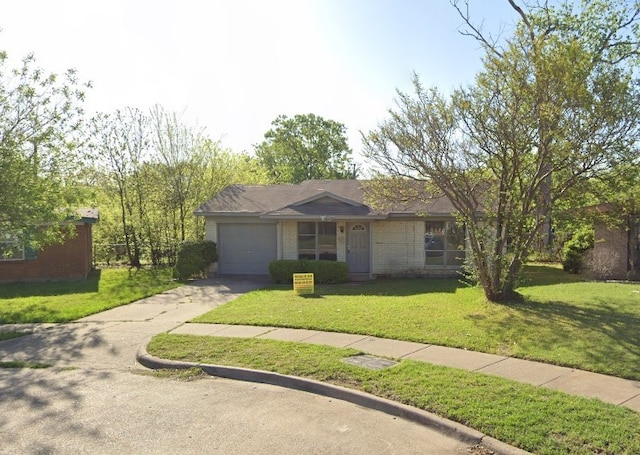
pixel 534 373
pixel 338 340
pixel 456 358
pixel 243 331
pixel 607 388
pixel 385 347
pixel 289 334
pixel 633 403
pixel 369 361
pixel 200 329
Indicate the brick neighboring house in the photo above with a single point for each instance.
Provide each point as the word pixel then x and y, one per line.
pixel 329 219
pixel 616 250
pixel 70 260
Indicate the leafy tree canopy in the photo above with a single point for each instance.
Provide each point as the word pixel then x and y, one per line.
pixel 40 126
pixel 305 147
pixel 556 105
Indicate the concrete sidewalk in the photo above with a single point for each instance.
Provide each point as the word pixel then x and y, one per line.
pixel 609 389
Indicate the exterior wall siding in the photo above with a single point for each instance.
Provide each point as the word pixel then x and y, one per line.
pixel 289 240
pixel 397 247
pixel 67 261
pixel 609 257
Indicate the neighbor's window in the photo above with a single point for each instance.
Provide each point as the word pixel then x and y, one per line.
pixel 317 240
pixel 10 248
pixel 444 243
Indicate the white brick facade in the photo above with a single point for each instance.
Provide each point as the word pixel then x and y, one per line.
pixel 289 240
pixel 397 247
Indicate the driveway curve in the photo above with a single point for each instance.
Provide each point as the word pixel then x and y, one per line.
pixel 96 399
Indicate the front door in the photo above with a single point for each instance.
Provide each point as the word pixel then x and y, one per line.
pixel 358 247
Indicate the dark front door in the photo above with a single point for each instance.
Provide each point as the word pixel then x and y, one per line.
pixel 358 247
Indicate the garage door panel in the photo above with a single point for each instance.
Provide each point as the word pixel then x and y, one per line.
pixel 246 249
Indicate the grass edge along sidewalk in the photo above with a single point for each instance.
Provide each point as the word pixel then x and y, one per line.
pixel 535 419
pixel 562 319
pixel 64 301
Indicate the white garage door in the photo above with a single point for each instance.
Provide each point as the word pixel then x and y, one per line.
pixel 246 249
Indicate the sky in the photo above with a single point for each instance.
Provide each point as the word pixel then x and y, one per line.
pixel 232 66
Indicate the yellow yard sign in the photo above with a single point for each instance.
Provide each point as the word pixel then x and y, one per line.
pixel 303 283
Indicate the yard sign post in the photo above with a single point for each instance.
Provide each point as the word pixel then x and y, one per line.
pixel 303 283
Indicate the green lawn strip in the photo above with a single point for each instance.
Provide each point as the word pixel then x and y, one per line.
pixel 68 301
pixel 536 419
pixel 9 334
pixel 586 325
pixel 23 364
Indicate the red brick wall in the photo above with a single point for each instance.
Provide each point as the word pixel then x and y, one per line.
pixel 70 260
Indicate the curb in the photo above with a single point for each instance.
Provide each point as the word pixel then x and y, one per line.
pixel 445 426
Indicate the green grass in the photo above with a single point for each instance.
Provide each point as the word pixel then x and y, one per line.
pixel 561 320
pixel 536 419
pixel 9 334
pixel 71 300
pixel 23 364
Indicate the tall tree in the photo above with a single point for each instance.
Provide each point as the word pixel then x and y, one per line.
pixel 305 147
pixel 40 125
pixel 155 171
pixel 556 105
pixel 122 146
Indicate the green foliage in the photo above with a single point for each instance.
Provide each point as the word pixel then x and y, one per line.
pixel 194 258
pixel 557 105
pixel 153 171
pixel 305 147
pixel 574 249
pixel 325 272
pixel 40 130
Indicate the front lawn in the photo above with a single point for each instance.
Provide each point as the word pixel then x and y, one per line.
pixel 536 419
pixel 63 301
pixel 562 319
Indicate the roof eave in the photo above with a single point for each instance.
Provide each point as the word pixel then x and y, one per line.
pixel 223 214
pixel 319 217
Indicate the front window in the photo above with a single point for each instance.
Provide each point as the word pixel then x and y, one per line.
pixel 317 240
pixel 10 248
pixel 444 243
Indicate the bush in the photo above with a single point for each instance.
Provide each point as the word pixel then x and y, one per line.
pixel 574 250
pixel 194 258
pixel 325 272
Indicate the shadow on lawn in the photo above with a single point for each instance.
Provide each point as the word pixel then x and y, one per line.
pixel 398 287
pixel 47 288
pixel 543 274
pixel 601 333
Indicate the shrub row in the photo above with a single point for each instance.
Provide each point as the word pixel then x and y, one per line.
pixel 325 272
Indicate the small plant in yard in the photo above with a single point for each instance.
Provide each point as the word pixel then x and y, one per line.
pixel 194 258
pixel 574 250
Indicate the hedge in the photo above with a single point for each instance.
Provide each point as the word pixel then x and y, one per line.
pixel 325 272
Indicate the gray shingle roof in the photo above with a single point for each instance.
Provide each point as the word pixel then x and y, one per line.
pixel 335 198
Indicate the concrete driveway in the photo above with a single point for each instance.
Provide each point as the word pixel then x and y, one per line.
pixel 96 399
